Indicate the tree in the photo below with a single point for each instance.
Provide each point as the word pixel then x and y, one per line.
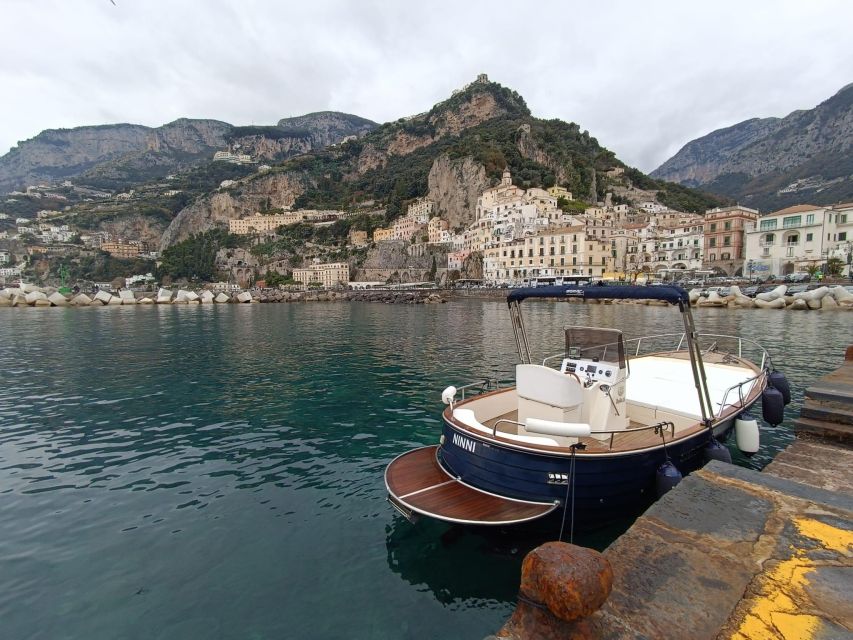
pixel 834 266
pixel 432 270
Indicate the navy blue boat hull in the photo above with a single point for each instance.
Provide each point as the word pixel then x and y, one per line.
pixel 608 487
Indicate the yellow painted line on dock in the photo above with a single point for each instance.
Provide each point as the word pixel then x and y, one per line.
pixel 778 611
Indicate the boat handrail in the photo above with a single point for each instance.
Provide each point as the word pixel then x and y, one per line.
pixel 484 385
pixel 739 387
pixel 658 428
pixel 765 356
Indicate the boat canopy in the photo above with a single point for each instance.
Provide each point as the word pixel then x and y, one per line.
pixel 670 294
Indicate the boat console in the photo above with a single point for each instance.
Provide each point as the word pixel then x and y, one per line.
pixel 591 369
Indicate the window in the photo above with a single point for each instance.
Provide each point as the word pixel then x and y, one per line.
pixel 810 219
pixel 809 237
pixel 767 225
pixel 791 221
pixel 712 242
pixel 727 226
pixel 726 256
pixel 842 235
pixel 713 226
pixel 792 239
pixel 769 238
pixel 727 241
pixel 843 218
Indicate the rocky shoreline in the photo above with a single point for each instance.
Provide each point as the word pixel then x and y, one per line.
pixel 32 296
pixel 822 298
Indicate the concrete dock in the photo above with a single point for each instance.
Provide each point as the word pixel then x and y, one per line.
pixel 736 553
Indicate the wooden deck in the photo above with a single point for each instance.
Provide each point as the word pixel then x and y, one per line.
pixel 416 482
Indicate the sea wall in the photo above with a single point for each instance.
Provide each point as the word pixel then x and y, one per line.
pixel 31 296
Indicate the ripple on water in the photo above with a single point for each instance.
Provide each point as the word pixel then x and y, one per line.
pixel 157 465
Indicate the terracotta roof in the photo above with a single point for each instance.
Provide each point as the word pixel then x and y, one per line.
pixel 797 208
pixel 843 205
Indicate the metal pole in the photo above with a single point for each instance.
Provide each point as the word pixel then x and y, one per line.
pixel 697 365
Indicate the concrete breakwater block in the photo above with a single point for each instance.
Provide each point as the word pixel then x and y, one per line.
pixel 769 296
pixel 114 301
pixel 164 296
pixel 127 296
pixel 244 296
pixel 713 300
pixel 776 303
pixel 842 296
pixel 34 296
pixel 42 302
pixel 103 297
pixel 799 305
pixel 206 297
pixel 57 299
pixel 5 302
pixel 221 298
pixel 81 300
pixel 145 300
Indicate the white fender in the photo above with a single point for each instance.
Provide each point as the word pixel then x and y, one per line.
pixel 747 435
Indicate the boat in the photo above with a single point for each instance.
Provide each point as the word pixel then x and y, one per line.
pixel 593 433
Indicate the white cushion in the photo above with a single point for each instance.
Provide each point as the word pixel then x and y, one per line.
pixel 548 386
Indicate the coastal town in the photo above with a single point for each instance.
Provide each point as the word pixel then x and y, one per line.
pixel 518 236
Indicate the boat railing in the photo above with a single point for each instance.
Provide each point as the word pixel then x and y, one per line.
pixel 677 342
pixel 479 387
pixel 741 404
pixel 658 428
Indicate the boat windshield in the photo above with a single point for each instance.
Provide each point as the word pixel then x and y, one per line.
pixel 602 345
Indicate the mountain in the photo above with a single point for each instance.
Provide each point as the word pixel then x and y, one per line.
pixel 771 163
pixel 123 155
pixel 450 154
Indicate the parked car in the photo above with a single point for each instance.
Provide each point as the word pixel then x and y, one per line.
pixel 797 288
pixel 751 292
pixel 798 276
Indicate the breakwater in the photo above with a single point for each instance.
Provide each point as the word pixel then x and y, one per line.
pixel 31 296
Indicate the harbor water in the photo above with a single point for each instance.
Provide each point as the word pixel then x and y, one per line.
pixel 198 472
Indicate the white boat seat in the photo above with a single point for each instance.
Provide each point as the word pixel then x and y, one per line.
pixel 548 386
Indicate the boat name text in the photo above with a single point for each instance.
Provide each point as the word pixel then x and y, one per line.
pixel 464 443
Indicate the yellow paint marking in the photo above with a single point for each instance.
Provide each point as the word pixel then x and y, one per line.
pixel 776 612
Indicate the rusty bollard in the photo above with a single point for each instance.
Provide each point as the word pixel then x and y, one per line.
pixel 560 584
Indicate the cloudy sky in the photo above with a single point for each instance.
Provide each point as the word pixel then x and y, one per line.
pixel 643 77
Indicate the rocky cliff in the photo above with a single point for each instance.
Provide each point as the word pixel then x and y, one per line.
pixel 55 154
pixel 454 186
pixel 774 162
pixel 121 156
pixel 273 190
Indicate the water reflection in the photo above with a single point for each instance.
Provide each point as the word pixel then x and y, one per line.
pixel 230 459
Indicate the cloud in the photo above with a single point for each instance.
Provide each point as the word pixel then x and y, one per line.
pixel 644 78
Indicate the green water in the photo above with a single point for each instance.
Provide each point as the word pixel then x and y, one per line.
pixel 216 472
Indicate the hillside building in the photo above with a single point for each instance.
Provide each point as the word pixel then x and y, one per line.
pixel 380 235
pixel 327 275
pixel 795 238
pixel 725 238
pixel 125 249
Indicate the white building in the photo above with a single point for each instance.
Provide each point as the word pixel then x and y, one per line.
pixel 796 238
